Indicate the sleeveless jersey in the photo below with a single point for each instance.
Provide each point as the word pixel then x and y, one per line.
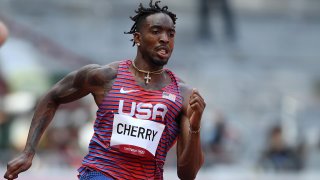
pixel 155 110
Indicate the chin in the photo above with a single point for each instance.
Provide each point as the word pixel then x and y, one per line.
pixel 160 62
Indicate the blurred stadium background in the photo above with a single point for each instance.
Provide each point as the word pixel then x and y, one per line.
pixel 261 81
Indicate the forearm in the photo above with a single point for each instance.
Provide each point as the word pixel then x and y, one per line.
pixel 191 157
pixel 43 115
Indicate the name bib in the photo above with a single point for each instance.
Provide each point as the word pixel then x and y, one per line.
pixel 136 136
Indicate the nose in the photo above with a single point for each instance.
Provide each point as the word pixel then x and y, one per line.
pixel 164 38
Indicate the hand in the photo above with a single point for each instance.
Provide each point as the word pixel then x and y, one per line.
pixel 19 164
pixel 195 109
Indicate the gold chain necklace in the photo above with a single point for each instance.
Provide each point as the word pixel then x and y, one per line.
pixel 147 77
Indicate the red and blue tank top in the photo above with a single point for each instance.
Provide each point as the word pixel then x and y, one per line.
pixel 134 128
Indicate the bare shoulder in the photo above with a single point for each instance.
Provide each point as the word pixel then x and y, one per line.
pixel 97 74
pixel 105 70
pixel 185 89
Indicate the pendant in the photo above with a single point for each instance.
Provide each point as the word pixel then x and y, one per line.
pixel 147 78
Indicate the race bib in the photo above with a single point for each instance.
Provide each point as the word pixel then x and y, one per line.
pixel 136 136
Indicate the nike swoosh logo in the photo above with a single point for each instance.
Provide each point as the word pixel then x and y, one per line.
pixel 122 91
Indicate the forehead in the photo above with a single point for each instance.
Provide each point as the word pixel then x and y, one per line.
pixel 159 19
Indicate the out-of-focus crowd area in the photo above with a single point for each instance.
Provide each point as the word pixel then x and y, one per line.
pixel 256 62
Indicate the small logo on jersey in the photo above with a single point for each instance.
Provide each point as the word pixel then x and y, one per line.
pixel 169 96
pixel 123 91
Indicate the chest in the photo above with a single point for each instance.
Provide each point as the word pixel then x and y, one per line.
pixel 147 105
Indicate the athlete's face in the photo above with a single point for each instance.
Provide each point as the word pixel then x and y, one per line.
pixel 156 38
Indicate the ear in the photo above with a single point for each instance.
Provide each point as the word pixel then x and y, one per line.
pixel 137 37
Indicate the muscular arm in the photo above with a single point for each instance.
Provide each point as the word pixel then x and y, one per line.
pixel 189 152
pixel 72 87
pixel 92 79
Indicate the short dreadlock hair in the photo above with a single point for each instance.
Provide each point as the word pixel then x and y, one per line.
pixel 143 12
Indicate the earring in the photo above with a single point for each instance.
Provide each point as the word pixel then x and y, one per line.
pixel 138 44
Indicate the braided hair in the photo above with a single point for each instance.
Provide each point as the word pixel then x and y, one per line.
pixel 143 12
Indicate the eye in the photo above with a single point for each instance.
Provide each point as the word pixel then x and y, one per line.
pixel 172 34
pixel 155 31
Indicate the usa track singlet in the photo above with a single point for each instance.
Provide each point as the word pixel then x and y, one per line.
pixel 134 129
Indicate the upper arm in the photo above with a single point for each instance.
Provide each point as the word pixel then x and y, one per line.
pixel 183 117
pixel 77 84
pixel 186 92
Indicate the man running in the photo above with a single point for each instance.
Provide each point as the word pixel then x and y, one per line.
pixel 142 109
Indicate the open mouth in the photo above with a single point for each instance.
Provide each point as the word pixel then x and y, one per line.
pixel 163 52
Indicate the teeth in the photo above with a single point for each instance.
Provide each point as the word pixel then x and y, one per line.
pixel 163 51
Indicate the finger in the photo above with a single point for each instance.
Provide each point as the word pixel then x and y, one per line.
pixel 14 170
pixel 196 91
pixel 16 173
pixel 198 107
pixel 15 177
pixel 12 167
pixel 21 168
pixel 11 177
pixel 197 100
pixel 195 94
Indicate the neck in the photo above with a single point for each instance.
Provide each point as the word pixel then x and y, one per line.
pixel 146 68
pixel 147 63
pixel 147 73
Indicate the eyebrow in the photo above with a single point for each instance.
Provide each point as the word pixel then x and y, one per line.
pixel 161 27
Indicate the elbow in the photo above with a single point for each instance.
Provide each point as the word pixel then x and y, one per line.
pixel 186 173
